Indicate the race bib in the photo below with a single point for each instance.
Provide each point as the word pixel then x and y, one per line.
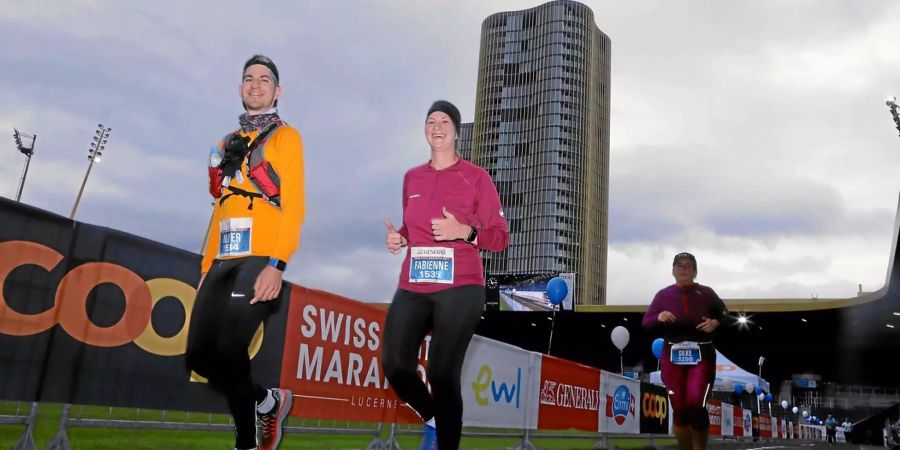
pixel 234 237
pixel 431 265
pixel 685 353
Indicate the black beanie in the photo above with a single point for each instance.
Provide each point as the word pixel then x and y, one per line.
pixel 262 60
pixel 447 108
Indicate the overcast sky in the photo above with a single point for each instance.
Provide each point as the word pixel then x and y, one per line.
pixel 753 134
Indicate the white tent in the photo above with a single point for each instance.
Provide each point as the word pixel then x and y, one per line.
pixel 727 375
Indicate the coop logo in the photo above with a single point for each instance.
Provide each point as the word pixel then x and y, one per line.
pixel 487 389
pixel 568 396
pixel 620 405
pixel 654 406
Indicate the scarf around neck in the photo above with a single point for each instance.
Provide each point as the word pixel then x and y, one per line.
pixel 258 122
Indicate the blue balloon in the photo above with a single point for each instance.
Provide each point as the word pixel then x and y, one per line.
pixel 738 388
pixel 657 347
pixel 769 397
pixel 557 289
pixel 758 390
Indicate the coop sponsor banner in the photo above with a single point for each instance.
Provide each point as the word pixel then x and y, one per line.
pixel 765 426
pixel 569 395
pixel 748 422
pixel 332 363
pixel 714 408
pixel 727 420
pixel 500 385
pixel 91 315
pixel 619 404
pixel 655 409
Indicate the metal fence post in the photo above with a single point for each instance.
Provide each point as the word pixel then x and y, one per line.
pixel 26 440
pixel 61 441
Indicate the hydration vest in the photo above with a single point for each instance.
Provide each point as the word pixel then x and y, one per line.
pixel 260 172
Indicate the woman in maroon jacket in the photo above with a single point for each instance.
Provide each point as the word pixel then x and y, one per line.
pixel 686 313
pixel 451 210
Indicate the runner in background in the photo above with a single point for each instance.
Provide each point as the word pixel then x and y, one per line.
pixel 686 314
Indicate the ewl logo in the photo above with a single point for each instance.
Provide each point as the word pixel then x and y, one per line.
pixel 498 391
pixel 620 405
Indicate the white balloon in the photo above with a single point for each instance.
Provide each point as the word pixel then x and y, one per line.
pixel 620 337
pixel 795 410
pixel 784 404
pixel 805 413
pixel 750 387
pixel 761 396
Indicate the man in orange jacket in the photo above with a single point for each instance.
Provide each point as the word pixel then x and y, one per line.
pixel 248 247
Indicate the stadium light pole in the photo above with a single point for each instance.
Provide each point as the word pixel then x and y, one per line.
pixel 892 105
pixel 25 144
pixel 95 154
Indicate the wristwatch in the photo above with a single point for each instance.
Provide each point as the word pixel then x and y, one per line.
pixel 472 235
pixel 277 263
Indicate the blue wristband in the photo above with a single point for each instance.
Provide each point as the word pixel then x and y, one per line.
pixel 277 263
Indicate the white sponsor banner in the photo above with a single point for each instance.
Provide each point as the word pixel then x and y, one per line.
pixel 790 430
pixel 727 420
pixel 748 422
pixel 569 278
pixel 619 407
pixel 500 385
pixel 775 434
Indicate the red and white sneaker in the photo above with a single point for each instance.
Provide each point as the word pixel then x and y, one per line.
pixel 268 425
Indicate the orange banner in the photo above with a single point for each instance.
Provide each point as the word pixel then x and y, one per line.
pixel 332 360
pixel 570 395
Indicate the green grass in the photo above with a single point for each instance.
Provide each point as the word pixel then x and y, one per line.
pixel 117 438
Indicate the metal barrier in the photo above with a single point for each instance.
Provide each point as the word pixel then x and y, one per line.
pixel 26 440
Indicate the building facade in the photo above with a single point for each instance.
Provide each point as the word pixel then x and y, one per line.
pixel 541 130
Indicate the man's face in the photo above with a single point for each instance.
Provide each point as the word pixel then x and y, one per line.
pixel 259 90
pixel 684 271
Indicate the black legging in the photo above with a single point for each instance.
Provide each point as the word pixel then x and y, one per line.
pixel 223 323
pixel 452 316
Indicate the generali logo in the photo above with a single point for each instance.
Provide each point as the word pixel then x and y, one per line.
pixel 569 396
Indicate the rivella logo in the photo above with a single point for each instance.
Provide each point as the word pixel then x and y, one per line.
pixel 503 391
pixel 620 405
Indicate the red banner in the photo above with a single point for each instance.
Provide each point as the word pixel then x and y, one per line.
pixel 765 426
pixel 332 360
pixel 738 421
pixel 714 407
pixel 570 395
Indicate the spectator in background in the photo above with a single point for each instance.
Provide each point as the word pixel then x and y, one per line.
pixel 831 430
pixel 848 429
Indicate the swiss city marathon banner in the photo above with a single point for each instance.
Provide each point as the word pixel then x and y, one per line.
pixel 656 411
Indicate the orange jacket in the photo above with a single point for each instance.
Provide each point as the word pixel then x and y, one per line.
pixel 275 232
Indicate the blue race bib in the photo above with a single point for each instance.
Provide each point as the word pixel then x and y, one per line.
pixel 234 237
pixel 431 265
pixel 685 353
